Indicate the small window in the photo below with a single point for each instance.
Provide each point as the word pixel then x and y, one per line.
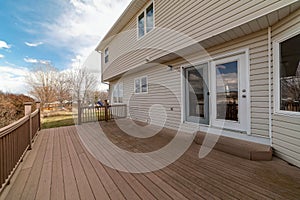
pixel 141 25
pixel 137 86
pixel 144 84
pixel 146 21
pixel 290 74
pixel 141 85
pixel 106 54
pixel 149 18
pixel 118 93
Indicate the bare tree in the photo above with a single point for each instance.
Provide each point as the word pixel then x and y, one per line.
pixel 41 82
pixel 101 95
pixel 84 84
pixel 63 86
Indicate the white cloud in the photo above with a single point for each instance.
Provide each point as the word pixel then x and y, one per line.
pixel 13 79
pixel 83 24
pixel 1 56
pixel 44 62
pixel 33 44
pixel 31 60
pixel 4 45
pixel 34 61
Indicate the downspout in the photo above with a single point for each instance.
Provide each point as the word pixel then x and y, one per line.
pixel 270 82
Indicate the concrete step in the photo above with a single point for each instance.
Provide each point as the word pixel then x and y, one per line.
pixel 240 148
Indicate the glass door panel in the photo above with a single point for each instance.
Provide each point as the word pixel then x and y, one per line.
pixel 227 91
pixel 197 94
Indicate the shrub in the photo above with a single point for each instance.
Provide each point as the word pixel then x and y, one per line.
pixel 12 107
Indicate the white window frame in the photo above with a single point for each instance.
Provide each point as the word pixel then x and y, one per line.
pixel 140 79
pixel 106 55
pixel 145 20
pixel 276 79
pixel 117 87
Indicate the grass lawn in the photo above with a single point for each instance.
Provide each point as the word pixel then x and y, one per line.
pixel 57 121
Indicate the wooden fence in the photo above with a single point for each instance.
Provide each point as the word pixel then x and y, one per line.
pixel 15 140
pixel 101 113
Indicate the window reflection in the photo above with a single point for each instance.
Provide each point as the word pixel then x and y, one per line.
pixel 196 92
pixel 141 25
pixel 290 74
pixel 144 84
pixel 227 91
pixel 149 18
pixel 137 86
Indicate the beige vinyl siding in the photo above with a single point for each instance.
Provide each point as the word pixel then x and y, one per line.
pixel 257 43
pixel 163 89
pixel 196 20
pixel 286 128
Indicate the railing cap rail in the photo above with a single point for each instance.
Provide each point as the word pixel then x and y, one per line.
pixel 13 126
pixel 34 113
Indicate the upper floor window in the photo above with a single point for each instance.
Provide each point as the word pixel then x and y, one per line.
pixel 118 93
pixel 141 85
pixel 106 54
pixel 146 21
pixel 289 55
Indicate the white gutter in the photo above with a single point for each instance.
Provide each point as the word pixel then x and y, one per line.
pixel 270 82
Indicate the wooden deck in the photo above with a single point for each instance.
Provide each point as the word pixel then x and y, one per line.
pixel 60 167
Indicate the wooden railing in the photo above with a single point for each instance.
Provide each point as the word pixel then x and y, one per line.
pixel 290 106
pixel 15 140
pixel 101 113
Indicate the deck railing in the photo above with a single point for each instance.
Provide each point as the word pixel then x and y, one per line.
pixel 101 113
pixel 15 140
pixel 290 105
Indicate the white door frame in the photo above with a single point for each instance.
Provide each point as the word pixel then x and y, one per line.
pixel 243 123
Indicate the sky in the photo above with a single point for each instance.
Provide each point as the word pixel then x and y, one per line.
pixel 61 32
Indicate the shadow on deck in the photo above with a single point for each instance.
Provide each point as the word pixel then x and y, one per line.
pixel 60 167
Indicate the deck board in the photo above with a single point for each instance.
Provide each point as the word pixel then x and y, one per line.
pixel 83 185
pixel 57 187
pixel 32 182
pixel 60 167
pixel 71 190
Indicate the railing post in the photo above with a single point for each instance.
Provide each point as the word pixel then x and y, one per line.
pixel 38 106
pixel 79 113
pixel 28 113
pixel 106 109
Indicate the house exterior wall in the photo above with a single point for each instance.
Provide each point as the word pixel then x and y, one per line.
pixel 195 20
pixel 286 127
pixel 165 87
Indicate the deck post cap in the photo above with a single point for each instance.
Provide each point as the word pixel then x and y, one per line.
pixel 27 103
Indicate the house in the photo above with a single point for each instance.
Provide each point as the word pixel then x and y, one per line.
pixel 229 66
